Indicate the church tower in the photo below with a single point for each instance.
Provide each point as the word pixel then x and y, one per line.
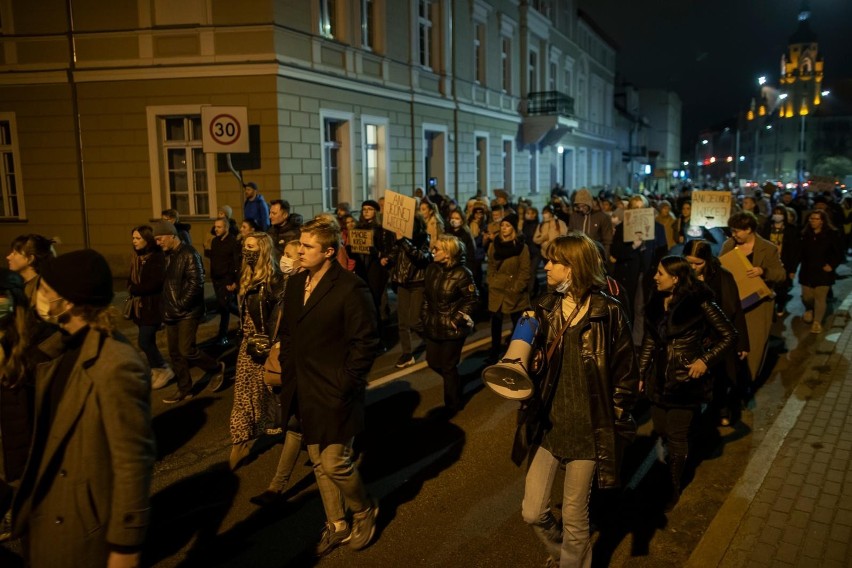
pixel 801 70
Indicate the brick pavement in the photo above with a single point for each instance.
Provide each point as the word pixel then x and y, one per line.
pixel 793 504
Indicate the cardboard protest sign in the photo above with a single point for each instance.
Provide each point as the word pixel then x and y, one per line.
pixel 752 290
pixel 638 224
pixel 710 209
pixel 398 213
pixel 360 240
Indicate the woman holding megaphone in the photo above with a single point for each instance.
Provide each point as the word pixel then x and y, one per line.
pixel 579 418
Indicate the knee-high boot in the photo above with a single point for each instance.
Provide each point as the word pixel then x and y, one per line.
pixel 676 465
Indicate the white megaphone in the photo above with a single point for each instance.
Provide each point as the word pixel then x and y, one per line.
pixel 509 378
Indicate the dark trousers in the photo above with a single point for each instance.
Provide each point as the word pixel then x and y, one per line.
pixel 226 304
pixel 148 345
pixel 497 330
pixel 185 354
pixel 672 424
pixel 443 358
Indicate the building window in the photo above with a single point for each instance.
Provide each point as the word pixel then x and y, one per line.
pixel 508 166
pixel 542 7
pixel 552 78
pixel 479 54
pixel 332 146
pixel 424 33
pixel 506 58
pixel 375 160
pixel 328 24
pixel 186 181
pixel 532 70
pixel 481 151
pixel 368 25
pixel 10 167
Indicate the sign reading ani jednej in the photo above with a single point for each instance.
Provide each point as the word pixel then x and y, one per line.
pixel 710 209
pixel 398 213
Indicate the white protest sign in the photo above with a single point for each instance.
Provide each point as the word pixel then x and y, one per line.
pixel 638 224
pixel 224 129
pixel 710 209
pixel 398 213
pixel 360 240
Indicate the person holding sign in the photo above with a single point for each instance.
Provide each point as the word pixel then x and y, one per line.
pixel 766 265
pixel 372 266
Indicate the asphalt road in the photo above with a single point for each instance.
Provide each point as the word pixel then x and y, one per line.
pixel 449 494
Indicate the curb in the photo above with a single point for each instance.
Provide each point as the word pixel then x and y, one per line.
pixel 716 541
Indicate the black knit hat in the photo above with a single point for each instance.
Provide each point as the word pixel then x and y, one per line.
pixel 371 203
pixel 82 277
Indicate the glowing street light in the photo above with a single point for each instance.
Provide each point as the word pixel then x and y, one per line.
pixel 705 142
pixel 713 160
pixel 782 96
pixel 761 80
pixel 729 159
pixel 686 163
pixel 825 93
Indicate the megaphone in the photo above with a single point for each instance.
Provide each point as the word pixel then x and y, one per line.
pixel 509 378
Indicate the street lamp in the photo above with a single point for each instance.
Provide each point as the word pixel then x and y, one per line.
pixel 761 80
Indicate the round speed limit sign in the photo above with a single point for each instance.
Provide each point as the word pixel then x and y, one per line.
pixel 225 129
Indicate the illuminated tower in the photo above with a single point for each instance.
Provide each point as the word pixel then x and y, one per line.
pixel 801 70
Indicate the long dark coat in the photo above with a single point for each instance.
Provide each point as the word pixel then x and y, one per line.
pixel 327 349
pixel 92 483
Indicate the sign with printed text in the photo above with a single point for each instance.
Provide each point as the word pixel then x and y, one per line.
pixel 398 213
pixel 360 240
pixel 638 224
pixel 710 209
pixel 224 129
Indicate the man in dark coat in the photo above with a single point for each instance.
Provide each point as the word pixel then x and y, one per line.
pixel 84 495
pixel 224 256
pixel 329 340
pixel 183 307
pixel 285 226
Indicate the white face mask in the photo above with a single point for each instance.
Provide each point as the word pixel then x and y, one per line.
pixel 563 286
pixel 287 265
pixel 456 223
pixel 43 309
pixel 778 217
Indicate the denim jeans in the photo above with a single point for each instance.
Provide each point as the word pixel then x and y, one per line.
pixel 571 545
pixel 184 353
pixel 148 345
pixel 338 480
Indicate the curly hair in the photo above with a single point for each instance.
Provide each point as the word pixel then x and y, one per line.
pixel 265 269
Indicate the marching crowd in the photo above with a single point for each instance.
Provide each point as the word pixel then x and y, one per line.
pixel 657 315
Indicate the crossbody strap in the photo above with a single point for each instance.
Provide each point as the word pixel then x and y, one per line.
pixel 558 339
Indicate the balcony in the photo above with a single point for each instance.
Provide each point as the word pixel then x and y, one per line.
pixel 548 116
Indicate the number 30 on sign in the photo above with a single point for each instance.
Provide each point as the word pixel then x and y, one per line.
pixel 224 129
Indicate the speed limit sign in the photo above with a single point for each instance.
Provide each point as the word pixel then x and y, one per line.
pixel 224 129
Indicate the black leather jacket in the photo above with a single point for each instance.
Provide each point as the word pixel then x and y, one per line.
pixel 183 288
pixel 611 372
pixel 675 339
pixel 450 292
pixel 260 303
pixel 409 259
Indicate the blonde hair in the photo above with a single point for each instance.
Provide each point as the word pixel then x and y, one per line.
pixel 326 231
pixel 266 267
pixel 580 253
pixel 451 246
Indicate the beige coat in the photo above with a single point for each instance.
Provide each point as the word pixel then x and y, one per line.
pixel 759 316
pixel 507 282
pixel 546 232
pixel 91 486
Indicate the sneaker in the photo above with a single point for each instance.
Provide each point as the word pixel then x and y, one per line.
pixel 331 539
pixel 178 397
pixel 267 498
pixel 217 379
pixel 405 360
pixel 808 316
pixel 816 327
pixel 364 527
pixel 160 377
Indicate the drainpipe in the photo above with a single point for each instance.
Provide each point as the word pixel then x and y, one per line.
pixel 455 105
pixel 78 132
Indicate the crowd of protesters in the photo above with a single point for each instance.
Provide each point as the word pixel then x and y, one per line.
pixel 666 321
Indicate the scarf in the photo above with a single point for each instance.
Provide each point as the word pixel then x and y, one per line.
pixel 507 249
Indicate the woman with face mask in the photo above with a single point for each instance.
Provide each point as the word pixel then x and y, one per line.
pixel 579 418
pixel 507 276
pixel 675 357
pixel 823 253
pixel 782 233
pixel 261 287
pixel 292 448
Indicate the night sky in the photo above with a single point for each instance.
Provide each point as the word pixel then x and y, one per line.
pixel 711 52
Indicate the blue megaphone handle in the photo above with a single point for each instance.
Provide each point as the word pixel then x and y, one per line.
pixel 525 330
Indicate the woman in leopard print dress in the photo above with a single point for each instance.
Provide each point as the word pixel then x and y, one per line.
pixel 255 406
